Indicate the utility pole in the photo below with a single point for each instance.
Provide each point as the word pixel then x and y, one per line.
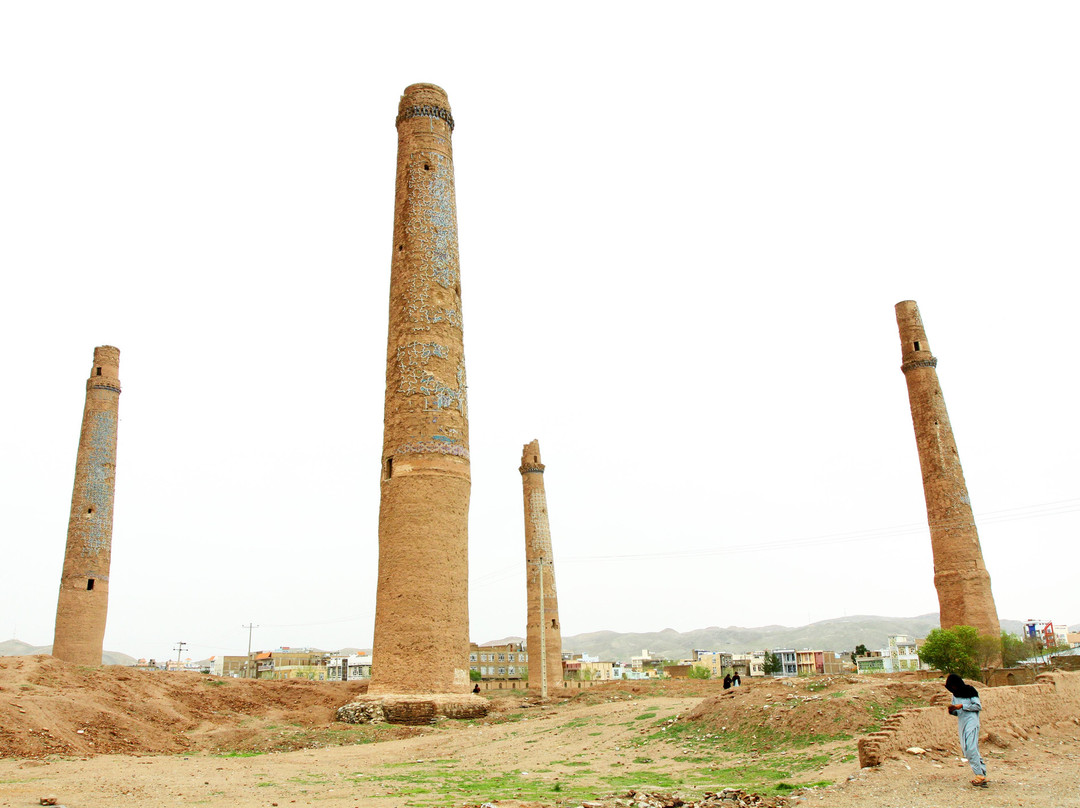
pixel 543 638
pixel 247 662
pixel 179 650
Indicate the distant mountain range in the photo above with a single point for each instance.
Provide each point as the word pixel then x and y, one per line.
pixel 837 634
pixel 20 648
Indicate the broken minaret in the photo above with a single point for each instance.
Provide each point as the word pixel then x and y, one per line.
pixel 963 584
pixel 84 583
pixel 542 632
pixel 421 642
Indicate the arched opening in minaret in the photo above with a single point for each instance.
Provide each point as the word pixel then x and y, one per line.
pixel 89 584
pixel 917 348
pixel 389 468
pixel 98 372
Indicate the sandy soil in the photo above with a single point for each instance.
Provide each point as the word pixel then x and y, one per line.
pixel 152 740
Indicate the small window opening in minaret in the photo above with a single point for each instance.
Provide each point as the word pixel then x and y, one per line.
pixel 389 468
pixel 98 372
pixel 400 247
pixel 917 348
pixel 536 459
pixel 427 167
pixel 89 584
pixel 554 623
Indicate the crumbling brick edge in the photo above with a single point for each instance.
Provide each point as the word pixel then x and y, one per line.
pixel 1013 711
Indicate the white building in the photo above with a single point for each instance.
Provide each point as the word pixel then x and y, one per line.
pixel 901 655
pixel 354 666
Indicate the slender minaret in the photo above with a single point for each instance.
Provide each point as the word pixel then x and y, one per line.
pixel 421 642
pixel 84 583
pixel 542 631
pixel 963 584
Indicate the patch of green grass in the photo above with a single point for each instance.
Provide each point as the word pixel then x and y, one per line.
pixel 239 754
pixel 310 778
pixel 641 779
pixel 692 737
pixel 453 788
pixel 591 734
pixel 643 716
pixel 643 760
pixel 213 682
pixel 265 785
pixel 879 712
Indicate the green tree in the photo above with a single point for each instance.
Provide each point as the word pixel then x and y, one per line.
pixel 1012 650
pixel 989 650
pixel 860 650
pixel 474 675
pixel 773 664
pixel 953 650
pixel 699 672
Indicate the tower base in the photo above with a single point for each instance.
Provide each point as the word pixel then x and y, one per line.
pixel 412 709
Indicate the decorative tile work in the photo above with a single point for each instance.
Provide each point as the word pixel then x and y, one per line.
pixel 430 222
pixel 98 487
pixel 541 537
pixel 433 447
pixel 414 377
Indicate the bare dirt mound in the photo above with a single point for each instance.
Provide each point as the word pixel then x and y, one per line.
pixel 816 708
pixel 52 707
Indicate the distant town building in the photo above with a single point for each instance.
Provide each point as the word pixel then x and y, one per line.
pixel 585 668
pixel 227 665
pixel 493 662
pixel 291 663
pixel 1049 634
pixel 347 668
pixel 646 663
pixel 751 663
pixel 809 662
pixel 716 662
pixel 621 670
pixel 901 655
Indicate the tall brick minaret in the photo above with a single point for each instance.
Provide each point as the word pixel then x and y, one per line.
pixel 542 621
pixel 84 583
pixel 963 584
pixel 421 642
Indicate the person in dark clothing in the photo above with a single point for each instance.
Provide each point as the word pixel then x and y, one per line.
pixel 966 707
pixel 476 689
pixel 735 680
pixel 727 681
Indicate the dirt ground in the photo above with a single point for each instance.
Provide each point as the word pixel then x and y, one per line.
pixel 115 737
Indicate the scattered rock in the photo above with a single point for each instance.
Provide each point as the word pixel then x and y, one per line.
pixel 915 750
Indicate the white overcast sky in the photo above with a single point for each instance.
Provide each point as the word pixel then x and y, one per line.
pixel 683 230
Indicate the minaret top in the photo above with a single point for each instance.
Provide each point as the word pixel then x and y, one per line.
pixel 106 365
pixel 530 458
pixel 914 347
pixel 425 101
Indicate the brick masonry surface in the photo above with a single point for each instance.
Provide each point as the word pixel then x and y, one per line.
pixel 83 602
pixel 961 578
pixel 421 615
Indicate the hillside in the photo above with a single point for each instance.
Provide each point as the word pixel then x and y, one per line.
pixel 19 648
pixel 836 634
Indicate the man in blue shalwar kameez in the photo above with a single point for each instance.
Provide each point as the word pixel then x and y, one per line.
pixel 966 707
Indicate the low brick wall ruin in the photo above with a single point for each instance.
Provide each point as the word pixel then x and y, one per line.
pixel 1007 711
